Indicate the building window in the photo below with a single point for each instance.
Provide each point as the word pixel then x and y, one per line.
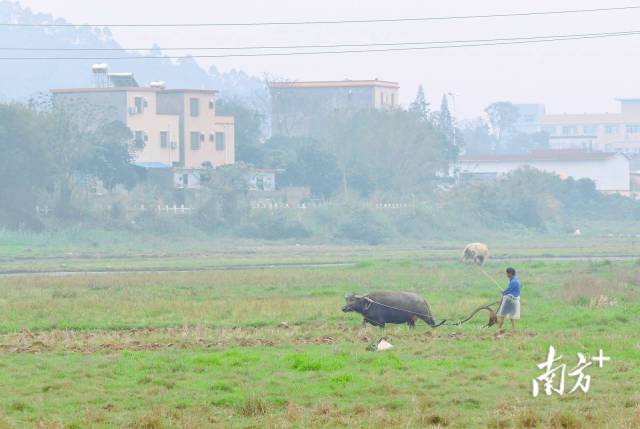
pixel 195 140
pixel 194 107
pixel 164 139
pixel 212 104
pixel 551 130
pixel 633 128
pixel 611 129
pixel 140 139
pixel 220 143
pixel 393 99
pixel 569 130
pixel 138 104
pixel 590 129
pixel 212 137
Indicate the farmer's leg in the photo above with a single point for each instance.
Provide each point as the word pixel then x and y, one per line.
pixel 500 322
pixel 513 324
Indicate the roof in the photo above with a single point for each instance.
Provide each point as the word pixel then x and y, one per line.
pixel 151 165
pixel 132 89
pixel 543 155
pixel 266 170
pixel 336 84
pixel 586 118
pixel 586 136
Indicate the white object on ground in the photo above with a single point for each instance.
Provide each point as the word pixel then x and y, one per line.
pixel 383 345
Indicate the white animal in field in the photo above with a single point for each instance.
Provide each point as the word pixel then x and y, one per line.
pixel 478 253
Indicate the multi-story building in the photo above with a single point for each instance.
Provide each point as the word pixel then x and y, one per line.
pixel 606 132
pixel 299 108
pixel 174 127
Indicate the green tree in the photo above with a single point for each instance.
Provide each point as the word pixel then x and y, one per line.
pixel 316 169
pixel 420 105
pixel 25 165
pixel 248 131
pixel 112 152
pixel 502 117
pixel 445 124
pixel 48 154
pixel 444 119
pixel 396 149
pixel 280 152
pixel 224 201
pixel 86 144
pixel 477 137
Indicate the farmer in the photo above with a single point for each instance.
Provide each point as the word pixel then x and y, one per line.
pixel 510 302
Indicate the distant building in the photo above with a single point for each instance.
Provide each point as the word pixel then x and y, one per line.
pixel 177 127
pixel 261 179
pixel 300 107
pixel 606 132
pixel 529 118
pixel 609 171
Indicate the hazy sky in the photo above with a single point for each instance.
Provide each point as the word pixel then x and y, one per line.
pixel 570 76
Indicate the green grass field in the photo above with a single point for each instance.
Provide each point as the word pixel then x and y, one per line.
pixel 68 251
pixel 209 349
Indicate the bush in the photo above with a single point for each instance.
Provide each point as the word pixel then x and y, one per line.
pixel 537 200
pixel 269 225
pixel 363 225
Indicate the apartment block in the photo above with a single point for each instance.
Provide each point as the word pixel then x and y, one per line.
pixel 605 132
pixel 300 108
pixel 174 127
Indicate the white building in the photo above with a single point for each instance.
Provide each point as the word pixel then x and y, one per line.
pixel 611 172
pixel 608 132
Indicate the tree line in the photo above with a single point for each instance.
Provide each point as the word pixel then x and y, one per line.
pixel 46 154
pixel 363 157
pixel 363 153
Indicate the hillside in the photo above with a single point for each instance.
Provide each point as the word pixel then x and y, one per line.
pixel 39 76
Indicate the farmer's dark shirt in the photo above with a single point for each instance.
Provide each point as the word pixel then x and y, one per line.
pixel 513 288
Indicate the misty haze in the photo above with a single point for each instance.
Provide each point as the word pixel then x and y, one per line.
pixel 319 215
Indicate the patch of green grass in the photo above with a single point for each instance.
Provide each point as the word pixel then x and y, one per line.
pixel 209 349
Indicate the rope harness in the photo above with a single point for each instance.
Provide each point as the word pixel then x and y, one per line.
pixel 489 277
pixel 428 316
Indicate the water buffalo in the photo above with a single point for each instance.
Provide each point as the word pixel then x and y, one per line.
pixel 380 308
pixel 478 253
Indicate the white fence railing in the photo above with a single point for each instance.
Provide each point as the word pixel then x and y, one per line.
pixel 180 210
pixel 303 206
pixel 43 211
pixel 174 209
